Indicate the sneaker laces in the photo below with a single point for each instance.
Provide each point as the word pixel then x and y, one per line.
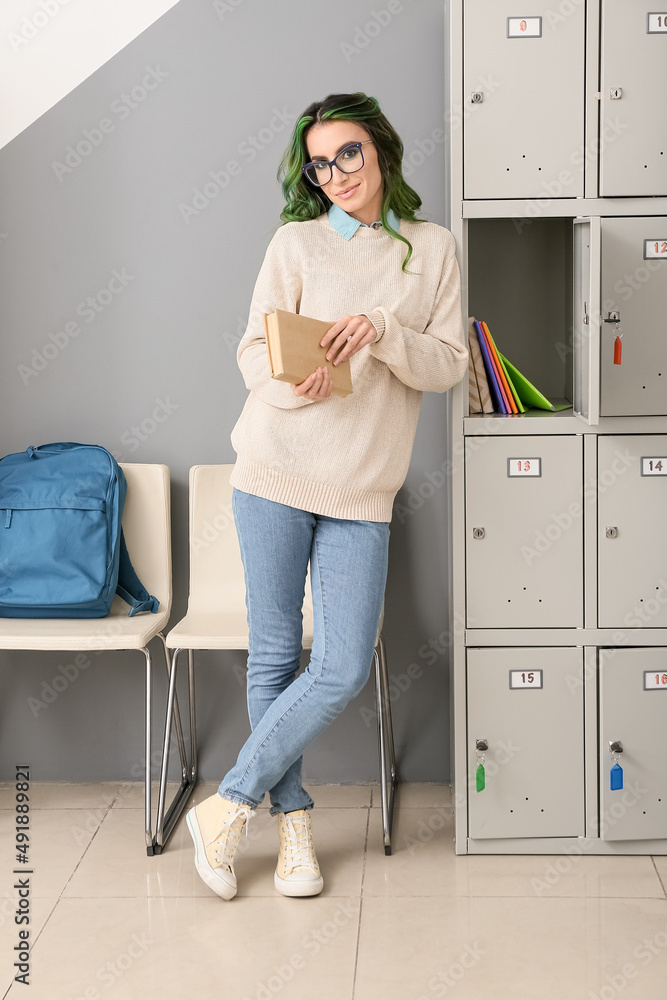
pixel 298 846
pixel 225 846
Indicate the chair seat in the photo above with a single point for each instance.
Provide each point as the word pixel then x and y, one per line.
pixel 116 631
pixel 217 630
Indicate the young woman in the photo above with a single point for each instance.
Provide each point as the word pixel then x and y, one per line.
pixel 316 474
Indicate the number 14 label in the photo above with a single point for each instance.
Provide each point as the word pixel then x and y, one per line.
pixel 654 466
pixel 524 467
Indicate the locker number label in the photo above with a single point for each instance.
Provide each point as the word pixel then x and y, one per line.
pixel 526 679
pixel 655 681
pixel 524 27
pixel 654 466
pixel 656 23
pixel 655 249
pixel 524 468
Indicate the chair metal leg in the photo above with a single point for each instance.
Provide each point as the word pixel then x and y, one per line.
pixel 147 750
pixel 165 823
pixel 177 713
pixel 388 777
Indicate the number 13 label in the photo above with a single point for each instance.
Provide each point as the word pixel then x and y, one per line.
pixel 524 467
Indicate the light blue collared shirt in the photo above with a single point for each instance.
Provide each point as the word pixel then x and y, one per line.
pixel 347 225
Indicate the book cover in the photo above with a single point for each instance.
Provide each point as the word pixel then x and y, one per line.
pixel 496 366
pixel 527 391
pixel 480 371
pixel 474 398
pixel 496 394
pixel 500 369
pixel 293 348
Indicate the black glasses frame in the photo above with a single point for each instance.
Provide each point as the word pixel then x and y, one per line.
pixel 333 163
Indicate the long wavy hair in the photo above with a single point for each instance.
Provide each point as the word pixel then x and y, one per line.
pixel 304 201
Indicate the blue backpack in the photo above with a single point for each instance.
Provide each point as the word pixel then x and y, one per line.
pixel 62 551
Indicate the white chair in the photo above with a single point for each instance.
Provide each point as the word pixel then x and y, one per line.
pixel 146 526
pixel 216 619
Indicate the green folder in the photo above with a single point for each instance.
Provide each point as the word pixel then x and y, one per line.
pixel 527 391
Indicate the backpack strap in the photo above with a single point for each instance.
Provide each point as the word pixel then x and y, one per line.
pixel 130 587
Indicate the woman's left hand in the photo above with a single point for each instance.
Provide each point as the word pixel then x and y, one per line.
pixel 347 336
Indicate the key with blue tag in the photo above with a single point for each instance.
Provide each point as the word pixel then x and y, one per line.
pixel 616 773
pixel 616 778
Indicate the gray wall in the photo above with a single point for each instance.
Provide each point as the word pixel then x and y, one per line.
pixel 228 80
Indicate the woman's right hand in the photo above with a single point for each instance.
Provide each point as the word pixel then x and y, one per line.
pixel 316 387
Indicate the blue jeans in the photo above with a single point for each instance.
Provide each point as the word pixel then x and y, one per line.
pixel 348 568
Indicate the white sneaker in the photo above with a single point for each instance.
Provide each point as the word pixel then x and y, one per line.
pixel 215 825
pixel 297 872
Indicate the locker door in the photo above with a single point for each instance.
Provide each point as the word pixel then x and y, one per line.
pixel 632 531
pixel 534 765
pixel 524 539
pixel 633 711
pixel 586 319
pixel 634 285
pixel 523 93
pixel 633 123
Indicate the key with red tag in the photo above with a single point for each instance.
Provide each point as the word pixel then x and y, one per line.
pixel 618 348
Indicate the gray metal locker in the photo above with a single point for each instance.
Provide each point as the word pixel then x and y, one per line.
pixel 535 737
pixel 633 122
pixel 632 531
pixel 633 713
pixel 634 287
pixel 524 537
pixel 523 112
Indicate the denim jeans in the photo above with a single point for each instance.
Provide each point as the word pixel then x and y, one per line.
pixel 348 567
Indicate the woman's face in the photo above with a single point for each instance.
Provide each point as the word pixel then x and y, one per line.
pixel 359 194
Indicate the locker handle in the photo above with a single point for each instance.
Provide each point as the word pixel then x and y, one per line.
pixel 615 746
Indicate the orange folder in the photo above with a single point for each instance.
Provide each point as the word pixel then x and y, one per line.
pixel 507 392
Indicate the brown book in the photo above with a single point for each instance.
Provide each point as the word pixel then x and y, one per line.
pixel 477 362
pixel 293 346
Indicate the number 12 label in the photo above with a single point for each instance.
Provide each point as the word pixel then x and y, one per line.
pixel 524 467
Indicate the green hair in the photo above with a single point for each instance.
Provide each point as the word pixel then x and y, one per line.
pixel 304 201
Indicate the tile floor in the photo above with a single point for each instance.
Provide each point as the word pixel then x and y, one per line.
pixel 109 922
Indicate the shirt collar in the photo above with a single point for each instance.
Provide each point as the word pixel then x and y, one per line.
pixel 347 226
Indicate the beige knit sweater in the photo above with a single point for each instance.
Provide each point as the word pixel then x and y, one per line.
pixel 347 458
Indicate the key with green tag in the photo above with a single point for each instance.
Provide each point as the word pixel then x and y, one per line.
pixel 481 746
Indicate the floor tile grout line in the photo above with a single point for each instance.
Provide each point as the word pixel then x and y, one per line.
pixel 660 879
pixel 361 903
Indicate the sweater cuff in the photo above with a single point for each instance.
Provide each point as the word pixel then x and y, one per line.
pixel 377 319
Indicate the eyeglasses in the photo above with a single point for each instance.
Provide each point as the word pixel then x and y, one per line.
pixel 349 160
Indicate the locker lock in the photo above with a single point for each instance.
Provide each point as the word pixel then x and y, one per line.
pixel 481 745
pixel 478 532
pixel 616 93
pixel 476 97
pixel 611 532
pixel 612 317
pixel 615 746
